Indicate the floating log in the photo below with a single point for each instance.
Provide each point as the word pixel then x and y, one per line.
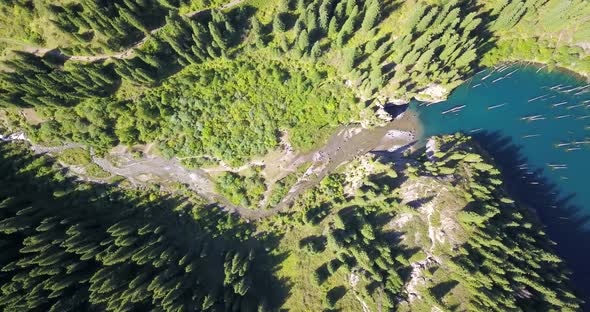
pixel 574 106
pixel 574 89
pixel 454 109
pixel 537 98
pixel 529 117
pixel 558 104
pixel 512 72
pixel 530 136
pixel 481 71
pixel 502 68
pixel 488 75
pixel 533 118
pixel 496 106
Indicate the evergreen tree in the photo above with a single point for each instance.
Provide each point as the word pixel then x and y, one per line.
pixel 315 50
pixel 58 259
pixel 303 40
pixel 349 59
pixel 278 25
pixel 371 15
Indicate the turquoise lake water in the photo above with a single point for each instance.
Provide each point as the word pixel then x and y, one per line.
pixel 536 125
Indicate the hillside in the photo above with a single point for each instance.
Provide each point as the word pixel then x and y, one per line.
pixel 252 155
pixel 418 234
pixel 410 234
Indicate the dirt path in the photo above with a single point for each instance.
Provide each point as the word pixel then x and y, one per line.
pixel 342 147
pixel 151 168
pixel 125 54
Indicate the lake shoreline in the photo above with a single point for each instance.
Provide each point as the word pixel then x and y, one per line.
pixel 544 159
pixel 540 65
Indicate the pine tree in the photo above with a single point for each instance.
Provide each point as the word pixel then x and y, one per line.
pixel 315 51
pixel 111 262
pixel 371 15
pixel 283 43
pixel 324 19
pixel 278 25
pixel 132 19
pixel 332 27
pixel 300 5
pixel 349 59
pixel 284 5
pixel 256 28
pixel 217 36
pixel 303 40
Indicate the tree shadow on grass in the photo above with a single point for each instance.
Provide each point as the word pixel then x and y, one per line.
pixel 316 214
pixel 335 294
pixel 441 289
pixel 265 283
pixel 564 223
pixel 419 202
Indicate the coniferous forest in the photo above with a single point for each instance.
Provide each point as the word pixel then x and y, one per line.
pixel 210 155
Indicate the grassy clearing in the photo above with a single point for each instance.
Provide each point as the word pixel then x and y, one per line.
pixel 299 268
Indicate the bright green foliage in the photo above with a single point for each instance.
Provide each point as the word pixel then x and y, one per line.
pixel 437 43
pixel 75 156
pixel 93 122
pixel 349 59
pixel 193 115
pixel 509 15
pixel 281 188
pixel 545 31
pixel 246 191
